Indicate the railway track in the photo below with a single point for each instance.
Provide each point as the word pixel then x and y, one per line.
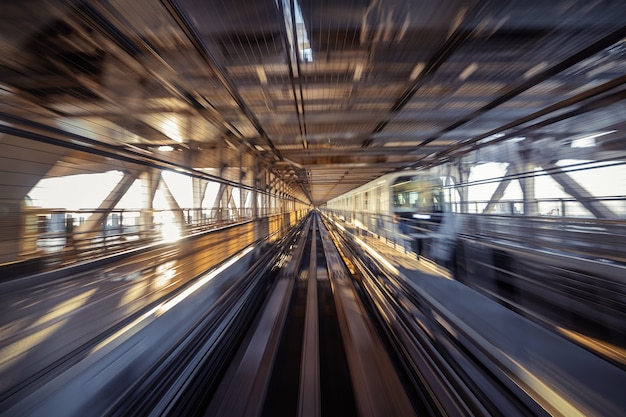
pixel 328 335
pixel 311 349
pixel 316 327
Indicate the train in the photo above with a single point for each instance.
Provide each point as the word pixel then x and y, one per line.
pixel 411 208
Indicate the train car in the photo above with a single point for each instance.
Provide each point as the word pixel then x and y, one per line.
pixel 409 207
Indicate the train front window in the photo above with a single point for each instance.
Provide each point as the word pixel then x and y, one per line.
pixel 417 195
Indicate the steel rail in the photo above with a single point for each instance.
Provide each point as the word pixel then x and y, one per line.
pixel 416 325
pixel 377 388
pixel 259 350
pixel 202 353
pixel 309 398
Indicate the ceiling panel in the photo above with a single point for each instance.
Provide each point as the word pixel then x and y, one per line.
pixel 347 89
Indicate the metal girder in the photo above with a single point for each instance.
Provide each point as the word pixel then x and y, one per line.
pixel 174 206
pixel 579 192
pixel 131 50
pixel 179 15
pixel 292 55
pixel 51 135
pixel 516 90
pixel 93 224
pixel 591 99
pixel 498 193
pixel 451 43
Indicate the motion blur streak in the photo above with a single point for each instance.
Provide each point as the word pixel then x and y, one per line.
pixel 376 255
pixel 167 305
pixel 195 287
pixel 610 350
pixel 549 398
pixel 23 345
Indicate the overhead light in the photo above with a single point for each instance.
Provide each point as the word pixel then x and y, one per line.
pixel 165 148
pixel 358 71
pixel 602 68
pixel 458 19
pixel 302 38
pixel 589 141
pixel 516 139
pixel 491 137
pixel 417 70
pixel 471 68
pixel 5 90
pixel 536 69
pixel 129 145
pixel 262 75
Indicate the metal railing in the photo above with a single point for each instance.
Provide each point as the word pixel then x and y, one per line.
pixel 585 237
pixel 556 207
pixel 67 235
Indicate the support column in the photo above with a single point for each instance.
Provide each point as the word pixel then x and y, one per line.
pixel 499 191
pixel 199 187
pixel 20 156
pixel 527 183
pixel 93 225
pixel 577 191
pixel 150 183
pixel 464 172
pixel 218 206
pixel 255 195
pixel 174 206
pixel 242 192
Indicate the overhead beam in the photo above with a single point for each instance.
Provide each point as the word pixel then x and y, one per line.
pixel 179 15
pixel 592 99
pixel 131 48
pixel 52 135
pixel 516 90
pixel 452 42
pixel 357 153
pixel 292 55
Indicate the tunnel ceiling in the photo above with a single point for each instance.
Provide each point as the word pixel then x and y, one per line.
pixel 329 94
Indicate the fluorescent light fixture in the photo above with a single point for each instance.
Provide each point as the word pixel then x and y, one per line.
pixel 5 90
pixel 491 137
pixel 535 70
pixel 262 75
pixel 589 141
pixel 165 148
pixel 358 71
pixel 458 19
pixel 469 70
pixel 602 68
pixel 417 70
pixel 516 139
pixel 302 38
